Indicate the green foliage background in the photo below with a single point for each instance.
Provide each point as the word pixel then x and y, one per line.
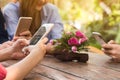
pixel 92 16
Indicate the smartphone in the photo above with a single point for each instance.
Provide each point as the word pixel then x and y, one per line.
pixel 23 25
pixel 98 37
pixel 42 32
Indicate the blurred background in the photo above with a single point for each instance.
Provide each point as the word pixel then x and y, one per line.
pixel 90 15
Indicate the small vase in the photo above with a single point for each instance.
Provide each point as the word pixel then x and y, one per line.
pixel 69 56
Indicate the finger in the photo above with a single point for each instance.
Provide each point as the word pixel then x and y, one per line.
pixel 25 37
pixel 102 49
pixel 25 33
pixel 28 41
pixel 111 42
pixel 27 53
pixel 115 59
pixel 24 50
pixel 23 42
pixel 107 46
pixel 15 38
pixel 108 52
pixel 28 48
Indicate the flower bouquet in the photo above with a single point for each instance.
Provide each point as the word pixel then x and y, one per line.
pixel 72 46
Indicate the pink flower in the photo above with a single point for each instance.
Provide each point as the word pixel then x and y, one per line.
pixel 73 41
pixel 51 41
pixel 74 48
pixel 82 40
pixel 69 33
pixel 79 34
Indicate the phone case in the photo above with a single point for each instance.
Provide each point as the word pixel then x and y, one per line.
pixel 41 33
pixel 23 25
pixel 98 37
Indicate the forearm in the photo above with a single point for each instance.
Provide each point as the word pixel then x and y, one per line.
pixel 22 68
pixel 5 54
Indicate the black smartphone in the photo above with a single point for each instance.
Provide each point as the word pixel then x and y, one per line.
pixel 42 32
pixel 98 37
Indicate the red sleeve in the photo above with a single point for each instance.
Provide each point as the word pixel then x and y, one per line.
pixel 3 72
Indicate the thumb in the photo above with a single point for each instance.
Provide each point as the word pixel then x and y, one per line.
pixel 111 42
pixel 22 42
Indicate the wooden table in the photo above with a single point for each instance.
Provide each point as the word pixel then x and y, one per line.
pixel 99 67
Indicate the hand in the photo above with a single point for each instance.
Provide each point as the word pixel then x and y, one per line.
pixel 49 48
pixel 40 47
pixel 24 35
pixel 112 50
pixel 107 47
pixel 26 50
pixel 17 47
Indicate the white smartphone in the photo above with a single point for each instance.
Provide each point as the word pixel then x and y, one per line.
pixel 42 32
pixel 98 37
pixel 23 25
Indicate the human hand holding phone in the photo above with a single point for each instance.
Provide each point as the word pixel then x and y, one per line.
pixel 103 44
pixel 24 35
pixel 23 27
pixel 42 32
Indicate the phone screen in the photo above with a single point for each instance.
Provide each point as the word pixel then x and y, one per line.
pixel 98 37
pixel 38 35
pixel 41 33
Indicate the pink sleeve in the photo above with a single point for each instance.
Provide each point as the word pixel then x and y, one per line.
pixel 3 72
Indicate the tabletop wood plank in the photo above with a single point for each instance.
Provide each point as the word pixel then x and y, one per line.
pixel 55 74
pixel 36 76
pixel 103 60
pixel 86 70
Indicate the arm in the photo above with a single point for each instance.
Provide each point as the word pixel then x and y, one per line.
pixel 10 13
pixel 12 50
pixel 28 63
pixel 5 54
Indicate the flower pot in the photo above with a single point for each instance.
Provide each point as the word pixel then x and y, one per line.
pixel 66 56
